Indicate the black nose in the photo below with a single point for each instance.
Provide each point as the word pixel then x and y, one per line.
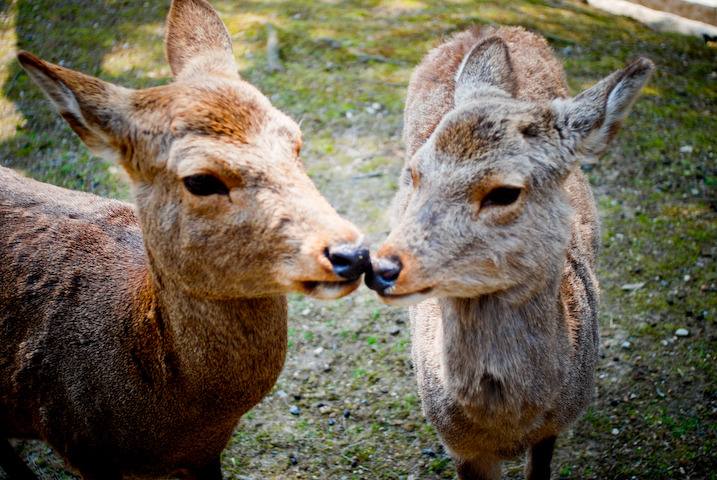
pixel 383 274
pixel 349 261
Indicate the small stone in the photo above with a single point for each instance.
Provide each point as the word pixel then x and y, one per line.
pixel 682 332
pixel 614 403
pixel 293 460
pixel 318 351
pixel 686 149
pixel 347 413
pixel 327 367
pixel 282 394
pixel 626 345
pixel 297 396
pixel 687 278
pixel 615 431
pixel 331 421
pixel 428 452
pixel 633 286
pixel 395 332
pixel 294 410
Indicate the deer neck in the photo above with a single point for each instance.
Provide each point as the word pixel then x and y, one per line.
pixel 232 348
pixel 499 349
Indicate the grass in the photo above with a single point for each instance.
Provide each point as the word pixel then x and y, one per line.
pixel 348 370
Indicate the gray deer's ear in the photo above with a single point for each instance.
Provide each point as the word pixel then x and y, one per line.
pixel 485 70
pixel 197 41
pixel 591 120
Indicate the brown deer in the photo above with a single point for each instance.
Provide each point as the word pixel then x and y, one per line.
pixel 132 339
pixel 495 234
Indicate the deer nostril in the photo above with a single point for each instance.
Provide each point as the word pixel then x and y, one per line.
pixel 384 273
pixel 349 261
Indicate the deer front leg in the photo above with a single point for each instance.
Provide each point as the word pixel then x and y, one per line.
pixel 538 465
pixel 479 468
pixel 211 471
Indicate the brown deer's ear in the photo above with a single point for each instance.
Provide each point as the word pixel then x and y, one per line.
pixel 197 40
pixel 485 70
pixel 87 103
pixel 590 121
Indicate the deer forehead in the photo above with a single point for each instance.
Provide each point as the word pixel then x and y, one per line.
pixel 488 131
pixel 231 110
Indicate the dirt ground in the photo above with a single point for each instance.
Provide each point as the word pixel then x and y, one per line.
pixel 346 406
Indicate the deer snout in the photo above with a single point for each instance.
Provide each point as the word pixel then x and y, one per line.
pixel 397 280
pixel 349 261
pixel 383 274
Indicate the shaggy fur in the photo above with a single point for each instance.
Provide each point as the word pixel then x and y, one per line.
pixel 496 234
pixel 133 338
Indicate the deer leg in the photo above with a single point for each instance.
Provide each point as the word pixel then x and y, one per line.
pixel 538 465
pixel 12 464
pixel 481 468
pixel 211 471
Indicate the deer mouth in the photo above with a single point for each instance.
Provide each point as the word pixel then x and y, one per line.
pixel 405 299
pixel 329 290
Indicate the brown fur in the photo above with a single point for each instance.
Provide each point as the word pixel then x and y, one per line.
pixel 505 339
pixel 133 338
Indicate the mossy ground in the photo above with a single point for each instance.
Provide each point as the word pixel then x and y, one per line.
pixel 346 68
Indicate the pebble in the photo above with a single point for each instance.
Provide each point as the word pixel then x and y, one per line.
pixel 293 460
pixel 615 431
pixel 626 345
pixel 282 394
pixel 347 413
pixel 682 332
pixel 294 410
pixel 395 332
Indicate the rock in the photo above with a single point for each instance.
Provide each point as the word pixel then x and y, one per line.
pixel 347 413
pixel 682 332
pixel 633 286
pixel 294 410
pixel 626 345
pixel 615 431
pixel 282 394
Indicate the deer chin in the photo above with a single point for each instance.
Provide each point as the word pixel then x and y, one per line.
pixel 405 299
pixel 328 290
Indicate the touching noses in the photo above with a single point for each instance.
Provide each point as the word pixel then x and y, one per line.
pixel 383 273
pixel 349 261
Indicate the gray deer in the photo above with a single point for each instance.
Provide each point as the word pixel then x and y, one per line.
pixel 132 339
pixel 496 234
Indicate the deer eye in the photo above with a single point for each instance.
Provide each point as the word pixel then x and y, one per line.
pixel 501 196
pixel 203 185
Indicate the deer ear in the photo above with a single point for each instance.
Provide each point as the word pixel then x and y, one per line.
pixel 197 40
pixel 485 70
pixel 86 102
pixel 590 121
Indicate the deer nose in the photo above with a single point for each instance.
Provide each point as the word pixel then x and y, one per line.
pixel 383 273
pixel 349 260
